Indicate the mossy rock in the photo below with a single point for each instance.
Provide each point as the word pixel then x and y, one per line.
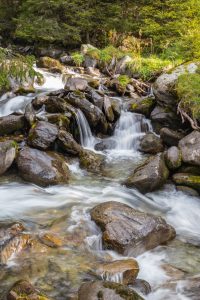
pixel 187 179
pixel 50 63
pixel 142 106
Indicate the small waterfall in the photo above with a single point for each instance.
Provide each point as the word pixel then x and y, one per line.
pixel 129 129
pixel 86 137
pixel 117 277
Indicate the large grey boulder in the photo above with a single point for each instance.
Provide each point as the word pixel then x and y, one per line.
pixel 149 176
pixel 190 148
pixel 171 137
pixel 11 124
pixel 42 168
pixel 151 143
pixel 129 231
pixel 67 143
pixel 76 84
pixel 173 158
pixel 42 135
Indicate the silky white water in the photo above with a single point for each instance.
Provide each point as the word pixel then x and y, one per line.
pixel 65 209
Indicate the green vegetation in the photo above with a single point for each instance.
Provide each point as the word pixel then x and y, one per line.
pixel 123 80
pixel 188 91
pixel 170 28
pixel 16 68
pixel 78 58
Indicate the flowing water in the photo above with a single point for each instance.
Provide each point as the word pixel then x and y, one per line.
pixel 64 210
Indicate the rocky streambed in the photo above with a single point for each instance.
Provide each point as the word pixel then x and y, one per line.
pixel 97 200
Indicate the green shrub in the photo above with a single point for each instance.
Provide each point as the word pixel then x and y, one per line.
pixel 78 58
pixel 16 67
pixel 124 80
pixel 188 91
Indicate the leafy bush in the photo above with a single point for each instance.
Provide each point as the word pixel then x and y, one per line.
pixel 78 58
pixel 16 67
pixel 188 91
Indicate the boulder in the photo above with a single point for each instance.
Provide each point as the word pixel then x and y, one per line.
pixel 76 84
pixel 67 143
pixel 116 107
pixel 164 86
pixel 93 114
pixel 42 135
pixel 8 151
pixel 100 290
pixel 171 137
pixel 151 143
pixel 87 47
pixel 42 168
pixel 108 109
pixel 11 124
pixel 129 231
pixel 50 63
pixel 121 66
pixel 142 286
pixel 173 158
pixel 90 62
pixel 91 161
pixel 12 240
pixel 39 101
pixel 67 60
pixel 95 98
pixel 164 117
pixel 55 104
pixel 25 290
pixel 128 268
pixel 149 176
pixel 187 179
pixel 142 106
pixel 190 148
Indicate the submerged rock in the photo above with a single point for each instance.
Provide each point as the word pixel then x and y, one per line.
pixel 67 143
pixel 106 144
pixel 42 135
pixel 26 291
pixel 42 168
pixel 128 270
pixel 151 143
pixel 91 161
pixel 76 84
pixel 187 190
pixel 100 290
pixel 11 124
pixel 190 148
pixel 190 180
pixel 128 231
pixel 8 151
pixel 149 176
pixel 12 240
pixel 50 240
pixel 173 158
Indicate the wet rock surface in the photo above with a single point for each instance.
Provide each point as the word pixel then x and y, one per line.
pixel 149 176
pixel 76 84
pixel 187 179
pixel 8 152
pixel 42 168
pixel 128 269
pixel 151 143
pixel 190 148
pixel 171 137
pixel 128 231
pixel 67 143
pixel 11 124
pixel 42 135
pixel 107 291
pixel 91 161
pixel 173 158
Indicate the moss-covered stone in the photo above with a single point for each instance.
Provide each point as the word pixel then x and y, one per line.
pixel 187 179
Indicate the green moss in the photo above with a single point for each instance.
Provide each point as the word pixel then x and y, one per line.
pixel 188 91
